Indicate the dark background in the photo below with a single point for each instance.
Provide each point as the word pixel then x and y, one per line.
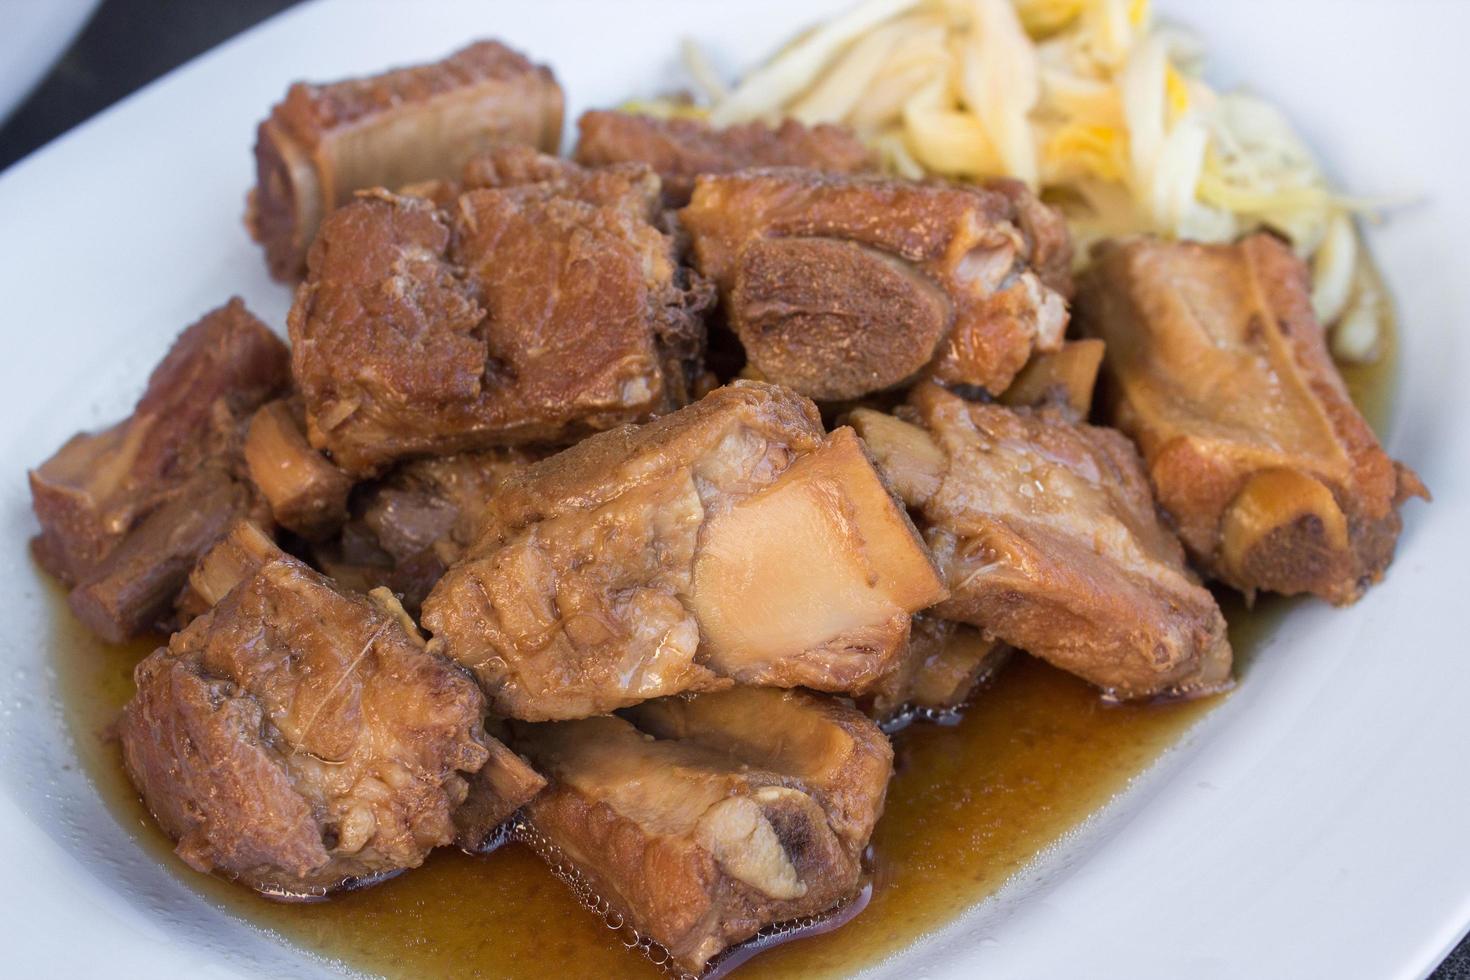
pixel 127 44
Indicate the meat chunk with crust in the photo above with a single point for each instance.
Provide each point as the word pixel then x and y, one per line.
pixel 679 150
pixel 723 814
pixel 126 512
pixel 297 738
pixel 844 286
pixel 730 541
pixel 411 525
pixel 516 314
pixel 1048 538
pixel 1222 377
pixel 324 142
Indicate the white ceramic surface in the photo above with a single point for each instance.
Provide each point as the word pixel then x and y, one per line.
pixel 1313 826
pixel 33 34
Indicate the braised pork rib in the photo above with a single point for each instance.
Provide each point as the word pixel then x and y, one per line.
pixel 306 492
pixel 1046 532
pixel 324 142
pixel 732 541
pixel 714 816
pixel 296 737
pixel 1223 379
pixel 843 286
pixel 125 512
pixel 944 663
pixel 515 314
pixel 408 527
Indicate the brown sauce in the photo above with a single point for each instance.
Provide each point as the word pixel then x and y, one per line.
pixel 971 804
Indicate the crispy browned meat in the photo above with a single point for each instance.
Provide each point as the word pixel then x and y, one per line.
pixel 1048 539
pixel 297 738
pixel 750 807
pixel 732 540
pixel 682 149
pixel 1253 446
pixel 410 526
pixel 306 492
pixel 942 666
pixel 844 286
pixel 125 512
pixel 530 313
pixel 323 142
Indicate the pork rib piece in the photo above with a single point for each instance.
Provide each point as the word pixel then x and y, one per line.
pixel 529 313
pixel 306 492
pixel 1222 377
pixel 679 150
pixel 730 541
pixel 298 738
pixel 410 526
pixel 125 512
pixel 1048 539
pixel 844 286
pixel 840 759
pixel 944 662
pixel 324 142
pixel 727 812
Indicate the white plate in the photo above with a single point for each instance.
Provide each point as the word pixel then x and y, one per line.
pixel 36 33
pixel 1313 826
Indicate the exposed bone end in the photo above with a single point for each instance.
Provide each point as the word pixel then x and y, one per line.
pixel 1066 376
pixel 736 832
pixel 948 675
pixel 306 493
pixel 836 753
pixel 694 840
pixel 135 587
pixel 239 555
pixel 909 459
pixel 822 553
pixel 501 786
pixel 1284 532
pixel 286 206
pixel 943 663
pixel 82 501
pixel 832 319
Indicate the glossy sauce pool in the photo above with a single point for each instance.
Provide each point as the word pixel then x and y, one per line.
pixel 971 804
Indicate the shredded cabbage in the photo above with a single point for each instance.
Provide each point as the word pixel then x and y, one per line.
pixel 1090 102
